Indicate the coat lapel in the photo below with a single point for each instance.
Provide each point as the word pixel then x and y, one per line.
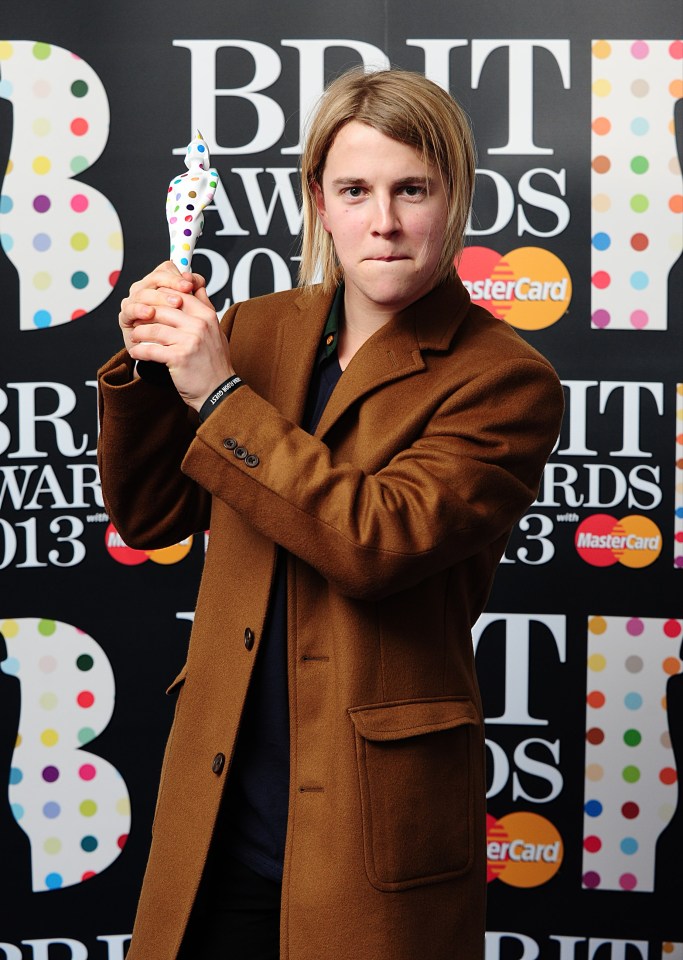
pixel 395 351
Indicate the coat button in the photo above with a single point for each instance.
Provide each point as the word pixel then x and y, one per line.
pixel 241 453
pixel 230 443
pixel 248 638
pixel 218 763
pixel 252 460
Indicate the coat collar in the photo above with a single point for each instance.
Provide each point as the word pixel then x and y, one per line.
pixel 392 353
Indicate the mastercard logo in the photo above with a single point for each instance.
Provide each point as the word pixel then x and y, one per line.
pixel 130 557
pixel 522 849
pixel 633 541
pixel 529 287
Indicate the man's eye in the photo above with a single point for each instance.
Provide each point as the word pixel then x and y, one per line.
pixel 354 192
pixel 413 190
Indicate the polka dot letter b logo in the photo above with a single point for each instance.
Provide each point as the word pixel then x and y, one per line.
pixel 63 237
pixel 73 805
pixel 636 195
pixel 631 779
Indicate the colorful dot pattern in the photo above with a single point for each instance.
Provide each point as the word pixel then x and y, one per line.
pixel 188 195
pixel 73 806
pixel 63 236
pixel 678 496
pixel 636 188
pixel 631 780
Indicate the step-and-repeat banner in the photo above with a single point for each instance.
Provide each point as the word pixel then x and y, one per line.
pixel 575 240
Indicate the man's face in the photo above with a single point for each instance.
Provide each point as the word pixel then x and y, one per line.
pixel 386 213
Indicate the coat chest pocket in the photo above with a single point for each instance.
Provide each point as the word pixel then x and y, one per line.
pixel 416 786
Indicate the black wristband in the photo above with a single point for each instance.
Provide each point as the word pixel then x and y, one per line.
pixel 218 395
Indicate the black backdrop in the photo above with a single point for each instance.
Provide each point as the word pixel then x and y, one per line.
pixel 570 623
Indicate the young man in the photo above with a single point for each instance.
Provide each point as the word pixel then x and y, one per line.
pixel 360 451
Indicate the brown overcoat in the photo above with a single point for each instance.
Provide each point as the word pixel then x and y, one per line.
pixel 394 516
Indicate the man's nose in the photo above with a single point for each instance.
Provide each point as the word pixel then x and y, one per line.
pixel 385 219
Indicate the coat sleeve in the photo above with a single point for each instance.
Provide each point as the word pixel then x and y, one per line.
pixel 145 432
pixel 458 488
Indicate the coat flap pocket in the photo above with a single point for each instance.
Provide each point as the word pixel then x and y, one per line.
pixel 178 680
pixel 410 718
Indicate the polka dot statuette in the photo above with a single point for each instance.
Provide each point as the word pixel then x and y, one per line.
pixel 190 193
pixel 636 189
pixel 630 785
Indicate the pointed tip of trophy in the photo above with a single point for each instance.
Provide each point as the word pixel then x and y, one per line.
pixel 197 152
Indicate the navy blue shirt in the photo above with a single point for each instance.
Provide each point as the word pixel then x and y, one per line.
pixel 253 820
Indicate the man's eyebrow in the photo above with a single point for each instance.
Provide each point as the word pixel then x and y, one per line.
pixel 349 182
pixel 418 180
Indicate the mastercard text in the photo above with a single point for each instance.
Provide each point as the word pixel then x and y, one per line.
pixel 521 850
pixel 523 289
pixel 616 542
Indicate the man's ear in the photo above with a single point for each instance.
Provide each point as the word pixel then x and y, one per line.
pixel 320 205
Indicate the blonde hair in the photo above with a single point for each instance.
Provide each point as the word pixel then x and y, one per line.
pixel 406 107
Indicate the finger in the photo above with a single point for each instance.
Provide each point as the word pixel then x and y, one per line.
pixel 169 314
pixel 152 298
pixel 168 318
pixel 165 275
pixel 159 333
pixel 163 294
pixel 196 306
pixel 170 279
pixel 133 311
